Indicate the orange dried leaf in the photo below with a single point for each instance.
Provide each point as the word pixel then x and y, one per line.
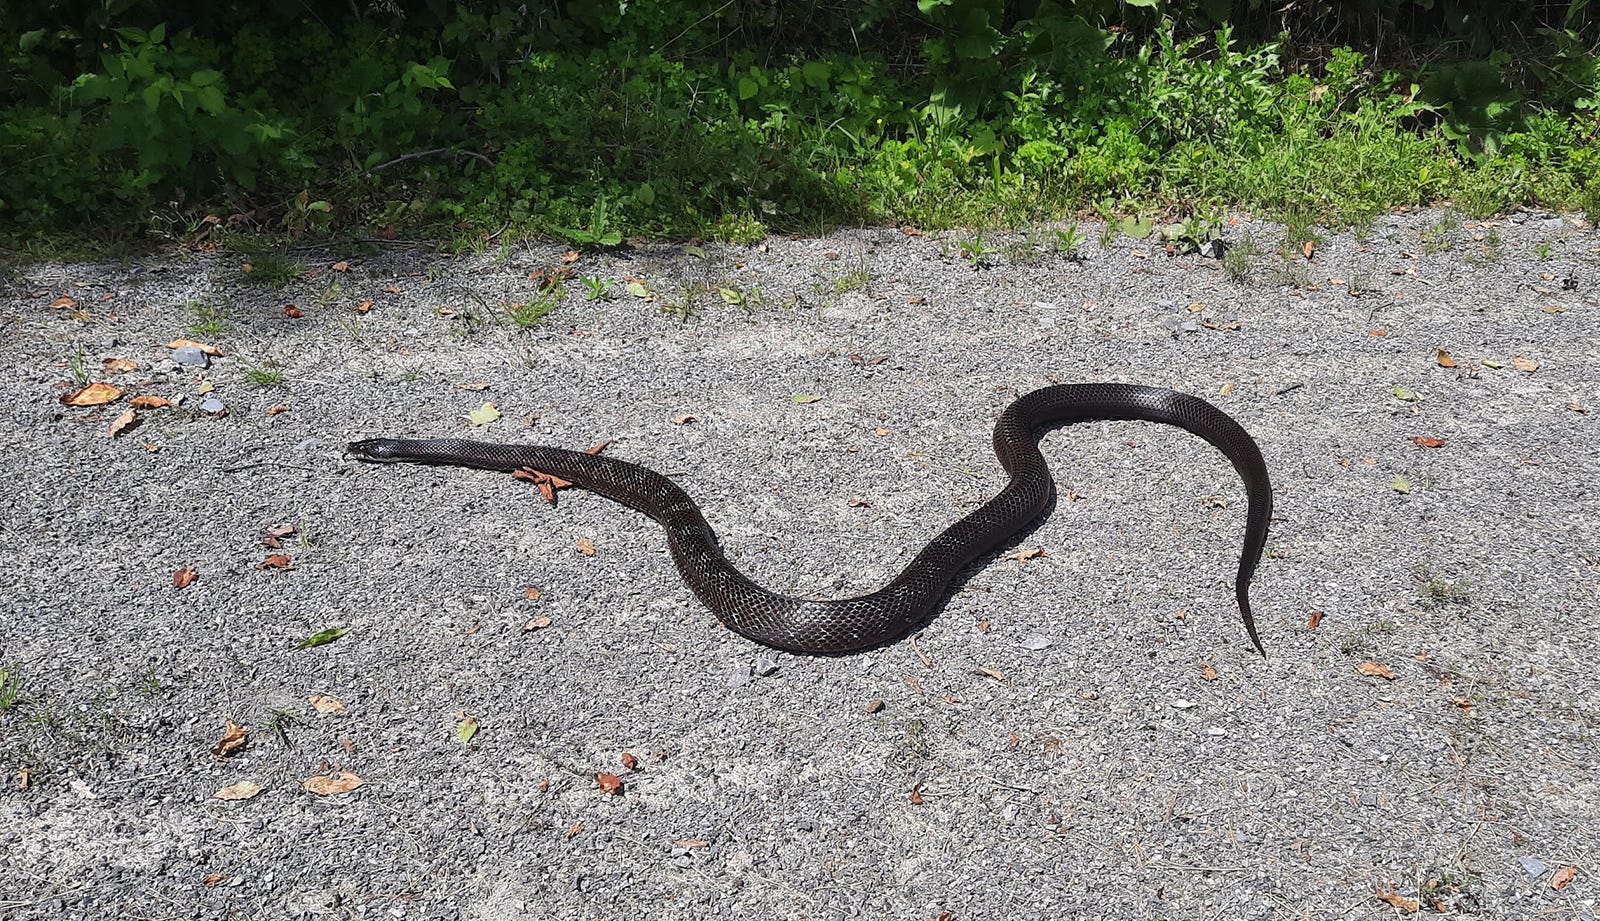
pixel 1315 621
pixel 600 447
pixel 910 231
pixel 212 879
pixel 629 761
pixel 1444 359
pixel 684 418
pixel 334 783
pixel 326 703
pixel 573 831
pixel 96 394
pixel 1309 247
pixel 586 546
pixel 994 673
pixel 916 795
pixel 1028 554
pixel 537 623
pixel 65 300
pixel 1428 441
pixel 340 266
pixel 571 256
pixel 881 432
pixel 533 593
pixel 364 306
pixel 293 312
pixel 149 401
pixel 610 784
pixel 1208 673
pixel 391 289
pixel 1378 333
pixel 1462 702
pixel 1527 365
pixel 233 739
pixel 184 576
pixel 276 561
pixel 119 365
pixel 1375 670
pixel 1562 877
pixel 277 410
pixel 858 502
pixel 123 423
pixel 211 350
pixel 1574 407
pixel 1397 900
pixel 245 789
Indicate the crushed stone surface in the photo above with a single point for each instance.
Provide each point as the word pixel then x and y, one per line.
pixel 1084 733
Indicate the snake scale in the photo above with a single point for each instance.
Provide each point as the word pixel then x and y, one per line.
pixel 846 625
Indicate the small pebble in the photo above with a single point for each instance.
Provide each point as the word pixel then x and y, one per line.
pixel 766 667
pixel 190 356
pixel 213 406
pixel 1533 866
pixel 1037 642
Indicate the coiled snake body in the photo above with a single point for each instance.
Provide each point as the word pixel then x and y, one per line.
pixel 845 625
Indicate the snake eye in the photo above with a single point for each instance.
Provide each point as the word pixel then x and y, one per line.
pixel 376 449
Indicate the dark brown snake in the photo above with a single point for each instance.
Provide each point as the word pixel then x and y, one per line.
pixel 850 624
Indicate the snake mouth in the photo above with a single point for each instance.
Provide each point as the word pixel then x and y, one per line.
pixel 373 450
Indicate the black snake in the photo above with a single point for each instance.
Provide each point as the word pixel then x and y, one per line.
pixel 845 625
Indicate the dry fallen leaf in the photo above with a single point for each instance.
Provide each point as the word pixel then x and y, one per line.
pixel 276 561
pixel 875 705
pixel 1562 877
pixel 211 350
pixel 119 365
pixel 1444 359
pixel 858 502
pixel 1574 407
pixel 610 784
pixel 1028 554
pixel 532 593
pixel 233 739
pixel 340 266
pixel 573 831
pixel 183 577
pixel 1428 441
pixel 473 386
pixel 537 623
pixel 916 795
pixel 123 423
pixel 148 401
pixel 245 789
pixel 880 431
pixel 276 410
pixel 1378 333
pixel 684 418
pixel 629 761
pixel 1375 670
pixel 1309 247
pixel 326 703
pixel 994 673
pixel 96 394
pixel 65 300
pixel 333 783
pixel 586 546
pixel 212 879
pixel 293 312
pixel 547 483
pixel 1462 702
pixel 1208 673
pixel 364 306
pixel 1524 364
pixel 571 256
pixel 1397 900
pixel 1315 621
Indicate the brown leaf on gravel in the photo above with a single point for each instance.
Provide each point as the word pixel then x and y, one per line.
pixel 881 432
pixel 183 577
pixel 629 761
pixel 1315 620
pixel 571 256
pixel 233 739
pixel 96 394
pixel 916 795
pixel 1428 441
pixel 119 365
pixel 533 593
pixel 910 231
pixel 123 423
pixel 276 561
pixel 610 784
pixel 875 705
pixel 1397 900
pixel 684 418
pixel 149 401
pixel 340 266
pixel 211 350
pixel 573 831
pixel 364 306
pixel 994 673
pixel 1208 673
pixel 537 623
pixel 273 536
pixel 1027 554
pixel 858 502
pixel 65 300
pixel 547 483
pixel 212 879
pixel 1309 247
pixel 293 312
pixel 326 703
pixel 334 783
pixel 867 361
pixel 1524 364
pixel 1375 670
pixel 1562 877
pixel 244 789
pixel 690 842
pixel 277 410
pixel 586 546
pixel 1462 702
pixel 1378 332
pixel 1444 359
pixel 1577 408
pixel 600 447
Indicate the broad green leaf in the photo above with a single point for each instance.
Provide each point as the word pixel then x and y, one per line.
pixel 466 729
pixel 484 414
pixel 748 88
pixel 322 637
pixel 816 74
pixel 1404 394
pixel 697 252
pixel 731 295
pixel 1400 484
pixel 1137 227
pixel 637 289
pixel 805 398
pixel 612 238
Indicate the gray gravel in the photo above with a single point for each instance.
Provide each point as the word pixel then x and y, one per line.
pixel 1126 755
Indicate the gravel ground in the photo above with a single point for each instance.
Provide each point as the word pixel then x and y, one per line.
pixel 1081 734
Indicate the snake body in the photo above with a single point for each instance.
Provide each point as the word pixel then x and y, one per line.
pixel 846 625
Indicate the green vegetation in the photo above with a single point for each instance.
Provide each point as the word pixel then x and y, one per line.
pixel 208 320
pixel 267 268
pixel 531 312
pixel 264 375
pixel 10 687
pixel 593 121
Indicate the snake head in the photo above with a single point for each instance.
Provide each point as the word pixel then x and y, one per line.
pixel 377 450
